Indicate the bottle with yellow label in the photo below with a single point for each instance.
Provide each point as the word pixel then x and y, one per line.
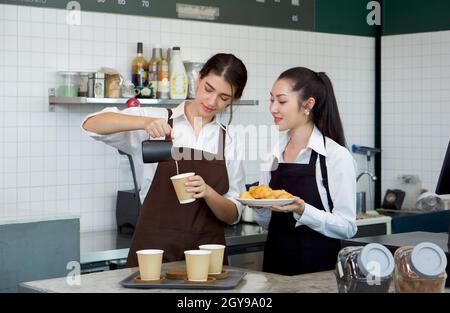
pixel 163 86
pixel 153 71
pixel 178 76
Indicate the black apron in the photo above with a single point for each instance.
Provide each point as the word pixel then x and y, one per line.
pixel 291 250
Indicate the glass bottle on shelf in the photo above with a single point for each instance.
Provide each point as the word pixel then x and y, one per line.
pixel 139 68
pixel 153 71
pixel 163 79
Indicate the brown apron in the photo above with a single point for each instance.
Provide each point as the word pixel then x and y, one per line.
pixel 166 224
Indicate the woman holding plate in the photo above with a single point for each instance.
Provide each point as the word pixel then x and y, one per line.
pixel 311 161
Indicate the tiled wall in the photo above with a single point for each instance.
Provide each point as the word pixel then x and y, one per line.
pixel 48 165
pixel 416 106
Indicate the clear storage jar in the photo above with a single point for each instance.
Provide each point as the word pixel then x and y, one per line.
pixel 364 269
pixel 97 85
pixel 192 71
pixel 83 84
pixel 67 84
pixel 420 268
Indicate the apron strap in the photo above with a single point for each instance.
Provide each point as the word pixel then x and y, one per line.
pixel 313 159
pixel 221 145
pixel 323 169
pixel 222 136
pixel 169 121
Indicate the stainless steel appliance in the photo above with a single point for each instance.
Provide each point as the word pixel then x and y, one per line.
pixel 361 202
pixel 245 245
pixel 248 257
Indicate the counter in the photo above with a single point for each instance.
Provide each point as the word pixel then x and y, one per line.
pixel 403 239
pixel 37 217
pixel 406 221
pixel 375 219
pixel 36 248
pixel 253 282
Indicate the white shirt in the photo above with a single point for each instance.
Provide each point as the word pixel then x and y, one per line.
pixel 341 168
pixel 130 142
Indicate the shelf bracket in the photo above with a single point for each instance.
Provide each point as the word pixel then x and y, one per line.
pixel 51 104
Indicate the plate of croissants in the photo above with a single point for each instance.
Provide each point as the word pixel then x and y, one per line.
pixel 264 196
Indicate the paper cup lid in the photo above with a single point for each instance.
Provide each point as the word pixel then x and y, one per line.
pixel 377 260
pixel 184 175
pixel 428 259
pixel 197 252
pixel 212 246
pixel 150 251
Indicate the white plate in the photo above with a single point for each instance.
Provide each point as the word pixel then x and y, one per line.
pixel 265 202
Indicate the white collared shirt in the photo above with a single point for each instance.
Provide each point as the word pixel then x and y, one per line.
pixel 130 142
pixel 341 168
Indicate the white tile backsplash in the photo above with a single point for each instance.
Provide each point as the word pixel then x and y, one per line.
pixel 415 120
pixel 47 163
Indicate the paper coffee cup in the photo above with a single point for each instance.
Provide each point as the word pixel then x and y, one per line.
pixel 179 182
pixel 150 262
pixel 197 264
pixel 216 261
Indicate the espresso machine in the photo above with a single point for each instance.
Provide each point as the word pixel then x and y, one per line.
pixel 128 204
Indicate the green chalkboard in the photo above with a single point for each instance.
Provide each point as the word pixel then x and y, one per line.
pixel 289 14
pixel 415 16
pixel 347 17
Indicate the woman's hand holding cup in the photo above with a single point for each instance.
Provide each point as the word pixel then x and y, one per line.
pixel 197 185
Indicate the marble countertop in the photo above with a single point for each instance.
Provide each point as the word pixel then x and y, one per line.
pixel 253 282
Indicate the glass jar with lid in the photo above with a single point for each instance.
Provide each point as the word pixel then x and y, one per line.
pixel 364 269
pixel 420 268
pixel 67 86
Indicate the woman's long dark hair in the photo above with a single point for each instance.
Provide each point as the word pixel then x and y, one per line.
pixel 231 69
pixel 325 113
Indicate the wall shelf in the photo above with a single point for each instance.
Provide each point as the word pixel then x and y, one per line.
pixel 163 103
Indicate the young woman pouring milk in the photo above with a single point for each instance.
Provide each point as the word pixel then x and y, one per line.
pixel 164 223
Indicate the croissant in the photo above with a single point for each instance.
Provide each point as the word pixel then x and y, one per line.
pixel 245 195
pixel 265 192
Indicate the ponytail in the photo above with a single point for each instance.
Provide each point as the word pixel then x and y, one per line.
pixel 330 122
pixel 325 113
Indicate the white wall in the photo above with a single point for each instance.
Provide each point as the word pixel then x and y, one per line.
pixel 416 106
pixel 47 164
